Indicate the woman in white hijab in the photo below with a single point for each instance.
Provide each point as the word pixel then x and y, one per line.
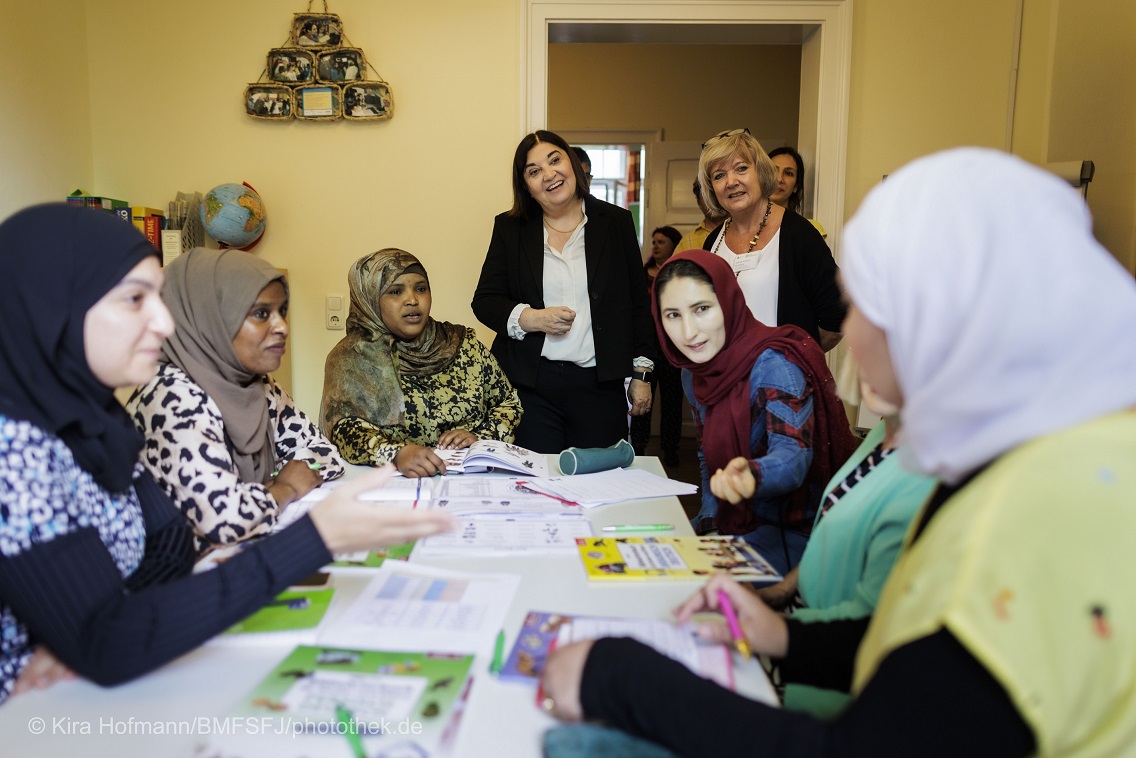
pixel 1004 332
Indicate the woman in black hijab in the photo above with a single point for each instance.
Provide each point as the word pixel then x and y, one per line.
pixel 94 559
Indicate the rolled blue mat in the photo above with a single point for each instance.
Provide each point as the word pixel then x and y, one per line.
pixel 588 460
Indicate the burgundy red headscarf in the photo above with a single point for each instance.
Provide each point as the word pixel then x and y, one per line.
pixel 722 385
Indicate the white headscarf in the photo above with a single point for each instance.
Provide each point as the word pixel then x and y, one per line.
pixel 1005 319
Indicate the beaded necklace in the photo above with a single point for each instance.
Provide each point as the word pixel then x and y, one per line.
pixel 752 242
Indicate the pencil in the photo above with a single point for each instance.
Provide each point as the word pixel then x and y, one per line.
pixel 735 628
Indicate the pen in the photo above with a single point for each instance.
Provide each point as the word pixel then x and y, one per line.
pixel 735 628
pixel 292 604
pixel 345 720
pixel 639 528
pixel 498 654
pixel 311 464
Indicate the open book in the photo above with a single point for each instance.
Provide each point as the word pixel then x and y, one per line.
pixel 329 701
pixel 489 455
pixel 542 632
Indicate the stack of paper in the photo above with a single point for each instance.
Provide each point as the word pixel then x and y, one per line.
pixel 612 486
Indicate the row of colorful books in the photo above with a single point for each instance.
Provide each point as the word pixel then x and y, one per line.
pixel 149 221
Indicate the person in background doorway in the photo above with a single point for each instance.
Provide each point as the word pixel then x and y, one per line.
pixel 586 163
pixel 791 182
pixel 666 377
pixel 695 237
pixel 781 262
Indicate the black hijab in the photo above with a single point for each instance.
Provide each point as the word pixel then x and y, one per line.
pixel 56 261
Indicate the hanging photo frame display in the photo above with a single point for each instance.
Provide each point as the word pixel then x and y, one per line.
pixel 318 75
pixel 346 64
pixel 272 102
pixel 319 102
pixel 317 30
pixel 288 65
pixel 367 101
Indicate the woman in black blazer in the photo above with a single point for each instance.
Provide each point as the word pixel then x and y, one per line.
pixel 563 287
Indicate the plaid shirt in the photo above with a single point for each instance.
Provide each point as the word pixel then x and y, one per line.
pixel 781 440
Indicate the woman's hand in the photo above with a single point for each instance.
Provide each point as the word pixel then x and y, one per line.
pixel 561 681
pixel 456 439
pixel 43 670
pixel 639 395
pixel 764 629
pixel 346 524
pixel 556 320
pixel 292 482
pixel 735 482
pixel 416 461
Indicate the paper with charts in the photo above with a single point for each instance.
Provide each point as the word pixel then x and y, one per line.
pixel 409 606
pixel 508 534
pixel 396 703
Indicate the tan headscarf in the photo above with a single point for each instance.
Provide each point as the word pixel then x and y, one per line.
pixel 209 293
pixel 360 377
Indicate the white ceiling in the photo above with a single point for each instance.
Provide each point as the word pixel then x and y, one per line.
pixel 680 33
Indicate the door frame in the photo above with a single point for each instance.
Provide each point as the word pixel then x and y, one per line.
pixel 826 62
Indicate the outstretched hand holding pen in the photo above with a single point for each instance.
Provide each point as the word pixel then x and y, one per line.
pixel 764 629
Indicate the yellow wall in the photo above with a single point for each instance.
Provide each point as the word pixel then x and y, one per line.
pixel 925 77
pixel 1092 111
pixel 617 86
pixel 167 83
pixel 160 110
pixel 45 123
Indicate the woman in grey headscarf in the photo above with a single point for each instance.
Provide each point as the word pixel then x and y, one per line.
pixel 228 444
pixel 400 383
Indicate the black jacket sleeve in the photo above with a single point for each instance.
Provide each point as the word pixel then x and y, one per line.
pixel 811 293
pixel 494 299
pixel 929 698
pixel 72 598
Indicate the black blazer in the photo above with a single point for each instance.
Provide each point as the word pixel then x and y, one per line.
pixel 513 273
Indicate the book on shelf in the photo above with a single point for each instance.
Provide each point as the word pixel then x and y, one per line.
pixel 542 632
pixel 320 699
pixel 490 455
pixel 79 197
pixel 651 558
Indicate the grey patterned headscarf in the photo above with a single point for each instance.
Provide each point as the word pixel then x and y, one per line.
pixel 361 375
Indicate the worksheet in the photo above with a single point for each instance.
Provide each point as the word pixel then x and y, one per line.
pixel 509 534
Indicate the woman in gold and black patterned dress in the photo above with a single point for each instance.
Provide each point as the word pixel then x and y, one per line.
pixel 400 383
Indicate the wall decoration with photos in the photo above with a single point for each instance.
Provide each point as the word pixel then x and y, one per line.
pixel 318 75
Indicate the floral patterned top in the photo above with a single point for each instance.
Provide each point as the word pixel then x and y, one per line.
pixel 186 452
pixel 471 394
pixel 45 495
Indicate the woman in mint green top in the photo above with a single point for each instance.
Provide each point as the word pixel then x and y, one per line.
pixel 857 537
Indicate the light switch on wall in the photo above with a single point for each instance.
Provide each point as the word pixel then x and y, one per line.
pixel 335 312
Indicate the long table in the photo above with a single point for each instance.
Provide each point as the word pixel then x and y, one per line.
pixel 501 719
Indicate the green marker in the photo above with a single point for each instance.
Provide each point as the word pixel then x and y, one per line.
pixel 498 654
pixel 315 466
pixel 343 716
pixel 639 528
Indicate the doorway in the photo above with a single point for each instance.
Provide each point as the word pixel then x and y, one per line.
pixel 823 28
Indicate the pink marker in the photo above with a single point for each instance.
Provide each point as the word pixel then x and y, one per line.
pixel 732 620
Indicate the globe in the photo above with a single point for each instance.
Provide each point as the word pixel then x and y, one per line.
pixel 233 214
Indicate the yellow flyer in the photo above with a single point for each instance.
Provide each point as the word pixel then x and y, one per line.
pixel 627 558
